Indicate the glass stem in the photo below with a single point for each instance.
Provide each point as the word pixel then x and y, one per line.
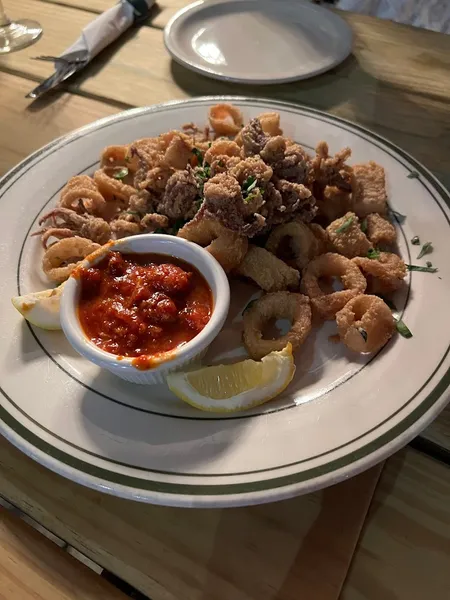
pixel 3 18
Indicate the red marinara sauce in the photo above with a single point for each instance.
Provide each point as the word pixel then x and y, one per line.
pixel 142 305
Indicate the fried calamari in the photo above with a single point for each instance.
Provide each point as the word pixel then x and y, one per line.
pixel 279 305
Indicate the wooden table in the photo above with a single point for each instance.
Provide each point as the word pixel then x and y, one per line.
pixel 358 540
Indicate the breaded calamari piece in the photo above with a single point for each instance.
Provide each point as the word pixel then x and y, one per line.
pixel 325 267
pixel 347 238
pixel 369 189
pixel 228 247
pixel 365 324
pixel 268 272
pixel 279 305
pixel 384 274
pixel 380 230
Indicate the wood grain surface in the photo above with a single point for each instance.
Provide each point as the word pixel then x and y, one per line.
pixel 397 82
pixel 33 568
pixel 404 550
pixel 299 548
pixel 406 100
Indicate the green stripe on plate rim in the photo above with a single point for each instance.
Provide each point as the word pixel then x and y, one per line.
pixel 266 484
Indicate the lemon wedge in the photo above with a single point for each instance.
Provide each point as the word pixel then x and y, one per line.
pixel 40 308
pixel 235 387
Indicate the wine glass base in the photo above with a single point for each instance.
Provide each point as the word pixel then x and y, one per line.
pixel 18 35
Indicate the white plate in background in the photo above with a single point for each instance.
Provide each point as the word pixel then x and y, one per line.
pixel 258 41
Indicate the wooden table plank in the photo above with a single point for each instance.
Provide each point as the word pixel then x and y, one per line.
pixel 368 88
pixel 33 568
pixel 25 129
pixel 405 547
pixel 439 431
pixel 281 550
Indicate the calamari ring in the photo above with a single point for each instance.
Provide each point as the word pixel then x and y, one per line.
pixel 326 305
pixel 62 257
pixel 225 119
pixel 384 274
pixel 227 247
pixel 221 148
pixel 114 156
pixel 113 188
pixel 301 242
pixel 84 188
pixel 280 305
pixel 268 272
pixel 270 123
pixel 365 323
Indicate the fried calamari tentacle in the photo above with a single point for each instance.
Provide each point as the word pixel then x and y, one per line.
pixel 279 305
pixel 347 238
pixel 380 230
pixel 384 274
pixel 268 272
pixel 124 227
pixel 112 188
pixel 227 247
pixel 331 170
pixel 180 195
pixel 365 323
pixel 294 243
pixel 82 195
pixel 225 119
pixel 223 200
pixel 369 189
pixel 61 258
pixel 153 221
pixel 64 220
pixel 253 138
pixel 326 267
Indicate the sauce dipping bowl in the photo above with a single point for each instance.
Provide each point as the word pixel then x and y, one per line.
pixel 164 363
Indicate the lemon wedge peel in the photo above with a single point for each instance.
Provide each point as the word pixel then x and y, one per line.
pixel 41 308
pixel 255 382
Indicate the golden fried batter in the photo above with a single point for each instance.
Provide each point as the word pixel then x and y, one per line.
pixel 347 238
pixel 268 272
pixel 326 266
pixel 384 274
pixel 369 189
pixel 279 305
pixel 380 230
pixel 365 324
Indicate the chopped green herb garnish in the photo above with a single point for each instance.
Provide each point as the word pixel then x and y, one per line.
pixel 373 253
pixel 160 230
pixel 399 323
pixel 199 156
pixel 221 163
pixel 363 333
pixel 415 240
pixel 413 175
pixel 249 305
pixel 403 329
pixel 121 174
pixel 400 218
pixel 426 249
pixel 429 263
pixel 209 144
pixel 364 225
pixel 345 225
pixel 421 269
pixel 133 212
pixel 249 184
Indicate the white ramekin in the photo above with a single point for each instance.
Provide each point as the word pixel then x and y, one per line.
pixel 192 351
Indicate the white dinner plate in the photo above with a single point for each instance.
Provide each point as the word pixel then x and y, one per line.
pixel 258 41
pixel 341 414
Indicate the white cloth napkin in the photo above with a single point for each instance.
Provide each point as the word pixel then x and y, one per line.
pixel 106 28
